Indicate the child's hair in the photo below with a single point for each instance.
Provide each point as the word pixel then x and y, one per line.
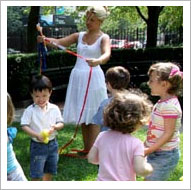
pixel 10 110
pixel 39 83
pixel 127 111
pixel 170 72
pixel 118 77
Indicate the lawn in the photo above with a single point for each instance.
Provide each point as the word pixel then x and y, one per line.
pixel 74 169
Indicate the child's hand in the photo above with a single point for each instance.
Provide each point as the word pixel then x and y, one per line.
pixel 146 151
pixel 40 138
pixel 52 129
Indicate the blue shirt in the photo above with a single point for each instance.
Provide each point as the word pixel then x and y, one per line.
pixel 11 158
pixel 98 117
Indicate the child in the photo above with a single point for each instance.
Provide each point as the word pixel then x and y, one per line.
pixel 42 115
pixel 14 170
pixel 165 80
pixel 120 155
pixel 117 80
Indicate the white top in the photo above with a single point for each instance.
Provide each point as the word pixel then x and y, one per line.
pixel 37 119
pixel 76 90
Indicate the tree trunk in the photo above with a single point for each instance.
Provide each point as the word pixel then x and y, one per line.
pixel 31 29
pixel 152 26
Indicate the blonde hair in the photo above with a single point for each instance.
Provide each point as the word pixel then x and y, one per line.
pixel 164 73
pixel 101 12
pixel 127 111
pixel 10 110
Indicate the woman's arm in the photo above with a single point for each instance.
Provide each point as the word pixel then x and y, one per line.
pixel 105 53
pixel 66 41
pixel 169 127
pixel 93 156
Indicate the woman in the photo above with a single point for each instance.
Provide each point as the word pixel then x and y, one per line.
pixel 94 45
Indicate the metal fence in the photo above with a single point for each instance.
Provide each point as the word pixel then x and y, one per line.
pixel 127 38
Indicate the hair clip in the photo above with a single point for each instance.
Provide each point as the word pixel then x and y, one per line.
pixel 175 71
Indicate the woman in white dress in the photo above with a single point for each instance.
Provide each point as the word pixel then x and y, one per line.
pixel 93 45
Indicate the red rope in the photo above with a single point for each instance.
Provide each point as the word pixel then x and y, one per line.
pixel 83 106
pixel 86 93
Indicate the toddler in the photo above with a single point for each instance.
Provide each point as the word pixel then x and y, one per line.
pixel 117 80
pixel 14 170
pixel 119 154
pixel 162 143
pixel 42 115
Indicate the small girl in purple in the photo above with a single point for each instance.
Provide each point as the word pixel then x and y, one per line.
pixel 162 143
pixel 119 154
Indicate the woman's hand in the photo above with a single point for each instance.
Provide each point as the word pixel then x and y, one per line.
pixel 93 62
pixel 40 39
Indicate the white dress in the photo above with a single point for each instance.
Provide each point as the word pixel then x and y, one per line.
pixel 78 82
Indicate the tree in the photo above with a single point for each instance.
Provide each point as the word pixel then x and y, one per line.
pixel 152 23
pixel 31 28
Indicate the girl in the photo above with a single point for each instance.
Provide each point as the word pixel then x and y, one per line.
pixel 165 80
pixel 14 170
pixel 119 155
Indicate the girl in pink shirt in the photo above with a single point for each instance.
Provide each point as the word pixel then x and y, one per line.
pixel 165 80
pixel 120 155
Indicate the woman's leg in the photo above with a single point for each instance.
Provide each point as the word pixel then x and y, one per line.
pixel 93 131
pixel 89 133
pixel 85 135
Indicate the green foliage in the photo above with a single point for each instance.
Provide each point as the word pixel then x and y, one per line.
pixel 22 66
pixel 73 169
pixel 15 15
pixel 171 17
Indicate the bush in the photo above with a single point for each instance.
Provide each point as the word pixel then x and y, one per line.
pixel 22 66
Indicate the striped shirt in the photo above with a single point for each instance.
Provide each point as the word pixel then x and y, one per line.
pixel 169 108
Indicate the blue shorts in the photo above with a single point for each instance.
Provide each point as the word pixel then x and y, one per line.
pixel 163 163
pixel 43 158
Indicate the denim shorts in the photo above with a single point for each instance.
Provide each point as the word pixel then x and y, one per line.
pixel 43 158
pixel 163 163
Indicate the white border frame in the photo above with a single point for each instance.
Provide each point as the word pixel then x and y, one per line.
pixel 99 185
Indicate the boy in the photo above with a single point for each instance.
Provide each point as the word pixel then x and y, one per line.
pixel 42 115
pixel 117 80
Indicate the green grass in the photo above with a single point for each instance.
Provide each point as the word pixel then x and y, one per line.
pixel 73 169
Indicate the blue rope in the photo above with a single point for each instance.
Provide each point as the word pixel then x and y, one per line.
pixel 42 52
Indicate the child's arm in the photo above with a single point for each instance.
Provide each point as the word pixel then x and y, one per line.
pixel 141 166
pixel 93 156
pixel 56 127
pixel 32 133
pixel 169 127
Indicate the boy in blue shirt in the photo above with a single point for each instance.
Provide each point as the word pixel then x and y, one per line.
pixel 117 80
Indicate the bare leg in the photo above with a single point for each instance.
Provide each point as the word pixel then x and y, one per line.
pixel 93 131
pixel 47 177
pixel 85 135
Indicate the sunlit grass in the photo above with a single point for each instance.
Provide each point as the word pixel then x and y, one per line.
pixel 74 169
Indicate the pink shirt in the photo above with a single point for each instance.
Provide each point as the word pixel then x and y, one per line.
pixel 116 152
